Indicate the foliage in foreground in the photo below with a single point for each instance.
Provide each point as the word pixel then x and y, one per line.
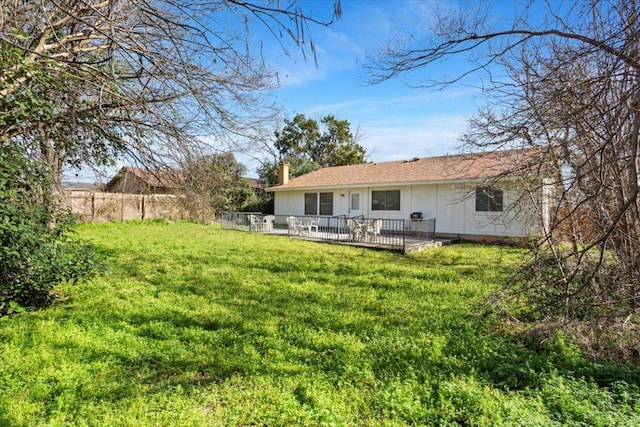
pixel 198 326
pixel 35 254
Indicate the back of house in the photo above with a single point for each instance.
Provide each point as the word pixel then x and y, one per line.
pixel 477 196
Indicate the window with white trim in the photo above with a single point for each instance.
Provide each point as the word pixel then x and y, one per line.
pixel 318 203
pixel 355 202
pixel 387 200
pixel 489 199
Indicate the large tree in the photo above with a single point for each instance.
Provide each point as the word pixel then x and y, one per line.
pixel 566 82
pixel 88 81
pixel 214 184
pixel 308 145
pixel 85 82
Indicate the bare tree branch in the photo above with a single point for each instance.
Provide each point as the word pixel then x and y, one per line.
pixel 572 92
pixel 89 81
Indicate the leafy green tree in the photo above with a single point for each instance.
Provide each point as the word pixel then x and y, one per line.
pixel 34 255
pixel 214 184
pixel 334 145
pixel 308 147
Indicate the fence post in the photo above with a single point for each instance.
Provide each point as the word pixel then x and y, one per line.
pixel 404 238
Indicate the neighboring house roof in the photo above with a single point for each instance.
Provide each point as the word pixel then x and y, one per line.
pixel 168 178
pixel 81 186
pixel 255 183
pixel 153 178
pixel 417 170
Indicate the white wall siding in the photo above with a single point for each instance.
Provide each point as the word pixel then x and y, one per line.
pixel 452 205
pixel 449 209
pixel 424 199
pixel 289 203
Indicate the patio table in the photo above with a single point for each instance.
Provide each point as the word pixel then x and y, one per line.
pixel 360 234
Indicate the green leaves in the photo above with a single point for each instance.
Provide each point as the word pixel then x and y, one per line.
pixel 334 146
pixel 36 253
pixel 214 184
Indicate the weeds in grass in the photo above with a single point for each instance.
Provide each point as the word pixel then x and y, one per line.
pixel 197 326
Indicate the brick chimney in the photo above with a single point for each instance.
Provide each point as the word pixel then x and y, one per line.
pixel 283 176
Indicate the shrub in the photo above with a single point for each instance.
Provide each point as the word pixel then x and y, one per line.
pixel 37 251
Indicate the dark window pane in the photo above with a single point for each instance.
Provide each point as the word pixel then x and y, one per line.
pixel 495 202
pixel 393 200
pixel 326 203
pixel 377 201
pixel 482 200
pixel 385 200
pixel 489 199
pixel 311 203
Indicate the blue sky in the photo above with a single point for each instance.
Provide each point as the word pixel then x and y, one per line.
pixel 396 120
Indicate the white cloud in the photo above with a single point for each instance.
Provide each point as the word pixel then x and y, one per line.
pixel 424 138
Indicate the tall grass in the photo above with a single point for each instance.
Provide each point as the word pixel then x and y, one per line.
pixel 196 326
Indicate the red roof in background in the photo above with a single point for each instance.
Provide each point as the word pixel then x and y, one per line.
pixel 256 184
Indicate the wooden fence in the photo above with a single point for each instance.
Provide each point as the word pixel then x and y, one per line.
pixel 91 206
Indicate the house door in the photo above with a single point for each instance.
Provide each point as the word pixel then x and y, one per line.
pixel 355 203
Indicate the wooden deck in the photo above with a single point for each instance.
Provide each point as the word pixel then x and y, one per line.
pixel 390 234
pixel 384 242
pixel 418 244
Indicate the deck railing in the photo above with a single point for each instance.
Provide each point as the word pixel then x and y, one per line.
pixel 237 220
pixel 359 231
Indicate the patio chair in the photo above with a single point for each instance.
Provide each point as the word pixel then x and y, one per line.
pixel 293 225
pixel 375 226
pixel 308 224
pixel 355 232
pixel 267 225
pixel 255 224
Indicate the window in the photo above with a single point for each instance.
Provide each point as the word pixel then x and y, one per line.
pixel 326 203
pixel 488 199
pixel 385 200
pixel 318 202
pixel 311 203
pixel 355 201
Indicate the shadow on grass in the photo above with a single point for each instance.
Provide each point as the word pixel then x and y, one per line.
pixel 340 321
pixel 281 334
pixel 4 422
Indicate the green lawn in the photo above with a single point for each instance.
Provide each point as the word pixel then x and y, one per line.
pixel 197 326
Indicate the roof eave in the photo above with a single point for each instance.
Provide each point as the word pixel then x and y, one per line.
pixel 378 184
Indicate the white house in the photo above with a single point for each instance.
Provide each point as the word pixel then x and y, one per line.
pixel 473 196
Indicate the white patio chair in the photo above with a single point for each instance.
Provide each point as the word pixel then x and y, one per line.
pixel 255 224
pixel 375 226
pixel 294 225
pixel 267 225
pixel 309 223
pixel 355 232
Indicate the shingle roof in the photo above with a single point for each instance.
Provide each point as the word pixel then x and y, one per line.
pixel 256 183
pixel 459 167
pixel 168 178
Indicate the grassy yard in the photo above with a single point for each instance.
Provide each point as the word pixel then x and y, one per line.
pixel 196 326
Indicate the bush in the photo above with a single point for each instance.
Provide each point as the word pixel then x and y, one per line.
pixel 37 252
